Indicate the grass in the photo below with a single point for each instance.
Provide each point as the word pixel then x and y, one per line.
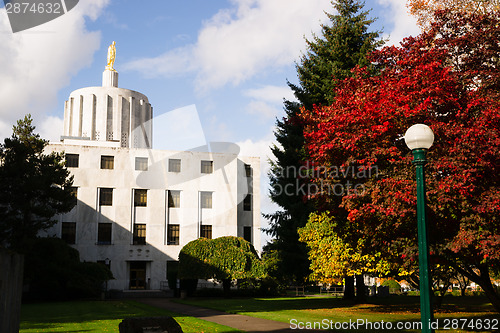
pixel 316 309
pixel 97 316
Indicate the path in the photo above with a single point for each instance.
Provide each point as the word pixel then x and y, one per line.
pixel 239 322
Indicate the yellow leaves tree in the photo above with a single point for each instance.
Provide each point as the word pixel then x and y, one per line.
pixel 331 257
pixel 424 9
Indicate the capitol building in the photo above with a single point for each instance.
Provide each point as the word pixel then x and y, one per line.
pixel 136 206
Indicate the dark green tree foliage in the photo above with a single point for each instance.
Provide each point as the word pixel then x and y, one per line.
pixel 34 186
pixel 53 271
pixel 224 258
pixel 343 44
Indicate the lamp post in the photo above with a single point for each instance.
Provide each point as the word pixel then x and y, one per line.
pixel 419 139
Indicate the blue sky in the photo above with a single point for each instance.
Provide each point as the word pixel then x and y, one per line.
pixel 228 60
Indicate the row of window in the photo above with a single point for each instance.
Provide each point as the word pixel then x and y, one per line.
pixel 174 198
pixel 141 164
pixel 104 232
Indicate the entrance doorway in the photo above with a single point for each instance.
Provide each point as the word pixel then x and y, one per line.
pixel 137 275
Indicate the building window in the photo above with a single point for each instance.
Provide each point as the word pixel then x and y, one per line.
pixel 248 170
pixel 139 234
pixel 74 191
pixel 207 166
pixel 104 233
pixel 72 160
pixel 141 163
pixel 174 199
pixel 173 234
pixel 206 231
pixel 107 162
pixel 172 270
pixel 68 232
pixel 105 196
pixel 247 234
pixel 206 199
pixel 140 198
pixel 105 262
pixel 247 202
pixel 174 165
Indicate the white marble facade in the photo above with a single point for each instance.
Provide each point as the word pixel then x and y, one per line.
pixel 136 206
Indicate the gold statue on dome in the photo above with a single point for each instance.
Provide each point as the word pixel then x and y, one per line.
pixel 111 57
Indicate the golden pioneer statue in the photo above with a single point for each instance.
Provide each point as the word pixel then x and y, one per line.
pixel 111 57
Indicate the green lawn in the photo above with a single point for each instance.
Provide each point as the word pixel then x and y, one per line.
pixel 96 316
pixel 316 309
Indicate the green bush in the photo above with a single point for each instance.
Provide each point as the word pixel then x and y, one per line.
pixel 53 271
pixel 393 285
pixel 224 259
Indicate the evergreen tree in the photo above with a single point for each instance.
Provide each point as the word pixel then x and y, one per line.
pixel 343 44
pixel 33 186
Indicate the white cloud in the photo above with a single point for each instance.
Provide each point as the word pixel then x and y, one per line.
pixel 51 128
pixel 267 102
pixel 404 24
pixel 263 109
pixel 239 42
pixel 38 62
pixel 274 94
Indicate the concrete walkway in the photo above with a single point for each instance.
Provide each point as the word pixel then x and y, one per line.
pixel 239 322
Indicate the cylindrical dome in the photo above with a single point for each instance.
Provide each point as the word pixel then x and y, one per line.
pixel 119 116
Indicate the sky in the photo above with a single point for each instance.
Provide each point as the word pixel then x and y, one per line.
pixel 213 70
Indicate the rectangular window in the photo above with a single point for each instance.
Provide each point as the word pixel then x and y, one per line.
pixel 247 202
pixel 173 234
pixel 105 196
pixel 72 160
pixel 104 234
pixel 207 166
pixel 105 262
pixel 141 163
pixel 172 271
pixel 107 162
pixel 74 191
pixel 140 198
pixel 206 231
pixel 247 234
pixel 68 232
pixel 206 199
pixel 174 199
pixel 139 234
pixel 174 165
pixel 248 170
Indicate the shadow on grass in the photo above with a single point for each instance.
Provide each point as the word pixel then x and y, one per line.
pixel 98 316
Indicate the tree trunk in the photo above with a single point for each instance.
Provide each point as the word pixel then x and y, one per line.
pixel 488 288
pixel 226 285
pixel 349 287
pixel 484 281
pixel 360 288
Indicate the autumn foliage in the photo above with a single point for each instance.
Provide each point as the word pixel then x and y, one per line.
pixel 424 9
pixel 447 78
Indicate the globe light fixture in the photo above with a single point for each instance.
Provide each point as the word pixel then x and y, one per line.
pixel 419 138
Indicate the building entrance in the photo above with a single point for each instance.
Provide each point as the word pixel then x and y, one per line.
pixel 137 275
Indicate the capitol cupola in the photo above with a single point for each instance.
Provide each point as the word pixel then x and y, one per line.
pixel 108 115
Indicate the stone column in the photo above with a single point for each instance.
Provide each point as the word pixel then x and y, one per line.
pixel 110 78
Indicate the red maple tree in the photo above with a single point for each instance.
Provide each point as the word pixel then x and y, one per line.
pixel 448 78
